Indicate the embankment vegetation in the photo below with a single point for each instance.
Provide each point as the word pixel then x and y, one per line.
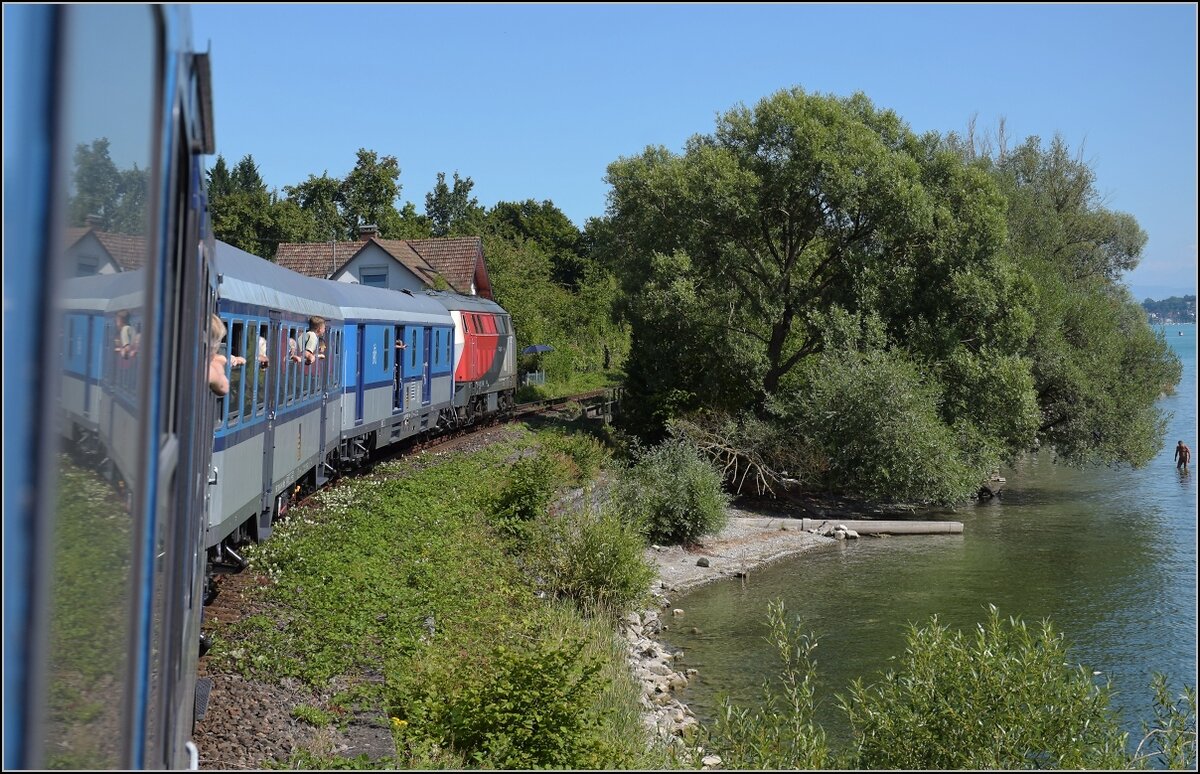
pixel 483 589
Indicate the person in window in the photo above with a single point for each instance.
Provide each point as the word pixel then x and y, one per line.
pixel 293 350
pixel 312 339
pixel 218 382
pixel 126 341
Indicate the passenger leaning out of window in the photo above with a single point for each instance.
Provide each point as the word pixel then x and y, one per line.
pixel 312 339
pixel 218 382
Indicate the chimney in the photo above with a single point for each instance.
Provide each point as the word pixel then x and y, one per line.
pixel 366 232
pixel 93 220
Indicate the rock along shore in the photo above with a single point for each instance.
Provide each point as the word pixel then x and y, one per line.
pixel 747 542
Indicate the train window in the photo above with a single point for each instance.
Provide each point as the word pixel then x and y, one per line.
pixel 93 519
pixel 413 348
pixel 449 343
pixel 298 383
pixel 337 358
pixel 234 367
pixel 260 356
pixel 466 318
pixel 387 347
pixel 290 384
pixel 437 346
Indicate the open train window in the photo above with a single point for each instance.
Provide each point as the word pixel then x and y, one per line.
pixel 262 361
pixel 412 347
pixel 241 389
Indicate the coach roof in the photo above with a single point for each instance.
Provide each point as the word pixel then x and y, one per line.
pixel 362 302
pixel 247 278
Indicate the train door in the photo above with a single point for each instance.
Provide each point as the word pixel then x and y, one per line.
pixel 427 387
pixel 358 380
pixel 275 368
pixel 397 373
pixel 323 369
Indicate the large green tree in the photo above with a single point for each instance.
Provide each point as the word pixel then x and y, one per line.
pixel 98 186
pixel 369 193
pixel 547 225
pixel 804 206
pixel 241 207
pixel 319 197
pixel 451 210
pixel 1097 364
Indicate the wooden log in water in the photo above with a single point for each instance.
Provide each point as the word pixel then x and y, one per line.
pixel 889 527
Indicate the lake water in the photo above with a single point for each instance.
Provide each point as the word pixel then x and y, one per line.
pixel 1108 555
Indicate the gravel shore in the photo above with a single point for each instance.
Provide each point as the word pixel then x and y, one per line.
pixel 748 541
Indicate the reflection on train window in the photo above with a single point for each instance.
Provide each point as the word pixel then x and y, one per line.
pixel 95 503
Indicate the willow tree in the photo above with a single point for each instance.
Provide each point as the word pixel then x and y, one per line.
pixel 738 253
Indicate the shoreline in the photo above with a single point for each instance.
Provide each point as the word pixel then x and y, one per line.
pixel 748 541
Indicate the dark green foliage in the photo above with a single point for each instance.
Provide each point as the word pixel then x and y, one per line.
pixel 531 486
pixel 1002 698
pixel 1169 742
pixel 587 454
pixel 549 227
pixel 594 558
pixel 528 704
pixel 673 493
pixel 875 420
pixel 1097 366
pixel 453 211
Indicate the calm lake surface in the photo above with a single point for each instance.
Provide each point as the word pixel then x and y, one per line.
pixel 1108 555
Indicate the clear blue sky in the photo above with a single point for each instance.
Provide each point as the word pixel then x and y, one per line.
pixel 533 101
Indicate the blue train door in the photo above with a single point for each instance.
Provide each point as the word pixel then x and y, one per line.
pixel 427 387
pixel 361 333
pixel 276 364
pixel 397 372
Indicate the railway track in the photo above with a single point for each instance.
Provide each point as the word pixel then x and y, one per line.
pixel 594 404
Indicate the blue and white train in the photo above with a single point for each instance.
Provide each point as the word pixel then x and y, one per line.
pixel 385 371
pixel 125 479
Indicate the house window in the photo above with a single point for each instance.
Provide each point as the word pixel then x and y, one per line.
pixel 87 267
pixel 376 277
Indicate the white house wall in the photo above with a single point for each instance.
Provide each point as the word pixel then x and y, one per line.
pixel 399 277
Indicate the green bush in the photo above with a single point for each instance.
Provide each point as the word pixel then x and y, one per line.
pixel 875 417
pixel 780 734
pixel 530 489
pixel 531 703
pixel 673 493
pixel 593 558
pixel 1002 698
pixel 588 454
pixel 1170 741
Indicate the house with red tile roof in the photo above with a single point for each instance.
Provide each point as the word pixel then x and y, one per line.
pixel 102 252
pixel 396 264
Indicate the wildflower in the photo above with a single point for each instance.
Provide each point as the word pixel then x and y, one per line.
pixel 397 723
